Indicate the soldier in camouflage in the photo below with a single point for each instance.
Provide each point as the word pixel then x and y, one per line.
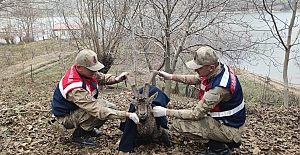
pixel 218 118
pixel 75 102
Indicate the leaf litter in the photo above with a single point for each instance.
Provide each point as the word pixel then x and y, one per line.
pixel 25 108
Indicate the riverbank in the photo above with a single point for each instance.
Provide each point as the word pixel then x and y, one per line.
pixel 267 82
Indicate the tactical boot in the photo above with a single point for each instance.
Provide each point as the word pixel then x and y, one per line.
pixel 94 133
pixel 232 145
pixel 82 137
pixel 216 148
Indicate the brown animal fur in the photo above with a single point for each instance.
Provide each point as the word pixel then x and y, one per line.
pixel 147 129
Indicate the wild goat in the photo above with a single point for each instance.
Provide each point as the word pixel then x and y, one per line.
pixel 148 129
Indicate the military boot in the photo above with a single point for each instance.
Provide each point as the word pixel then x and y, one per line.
pixel 94 133
pixel 82 137
pixel 216 148
pixel 232 145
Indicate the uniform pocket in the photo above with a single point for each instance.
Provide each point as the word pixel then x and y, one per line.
pixel 220 132
pixel 227 131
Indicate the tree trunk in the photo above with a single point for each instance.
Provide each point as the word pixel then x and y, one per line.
pixel 168 63
pixel 288 46
pixel 277 32
pixel 285 79
pixel 7 41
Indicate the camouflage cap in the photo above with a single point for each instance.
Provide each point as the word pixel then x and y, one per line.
pixel 88 59
pixel 203 56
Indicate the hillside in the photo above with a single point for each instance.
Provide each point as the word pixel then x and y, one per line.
pixel 25 108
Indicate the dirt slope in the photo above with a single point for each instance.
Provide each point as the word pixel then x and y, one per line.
pixel 25 110
pixel 38 64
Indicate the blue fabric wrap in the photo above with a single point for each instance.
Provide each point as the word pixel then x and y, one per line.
pixel 129 127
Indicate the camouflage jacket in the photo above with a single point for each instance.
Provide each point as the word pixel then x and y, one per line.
pixel 211 98
pixel 84 100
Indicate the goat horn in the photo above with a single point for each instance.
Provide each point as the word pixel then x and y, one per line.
pixel 153 73
pixel 133 86
pixel 151 98
pixel 147 84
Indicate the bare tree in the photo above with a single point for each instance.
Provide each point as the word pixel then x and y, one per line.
pixel 282 31
pixel 8 28
pixel 8 33
pixel 102 27
pixel 26 16
pixel 179 27
pixel 6 4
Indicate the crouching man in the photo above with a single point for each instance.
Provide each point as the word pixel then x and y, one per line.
pixel 217 120
pixel 75 102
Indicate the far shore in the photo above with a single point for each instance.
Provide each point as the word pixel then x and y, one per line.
pixel 244 74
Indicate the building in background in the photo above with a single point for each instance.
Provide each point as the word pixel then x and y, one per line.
pixel 66 31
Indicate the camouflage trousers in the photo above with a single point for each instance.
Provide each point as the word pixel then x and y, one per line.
pixel 207 128
pixel 84 119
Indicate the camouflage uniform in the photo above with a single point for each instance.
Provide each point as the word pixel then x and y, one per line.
pixel 195 123
pixel 92 112
pixel 75 100
pixel 218 118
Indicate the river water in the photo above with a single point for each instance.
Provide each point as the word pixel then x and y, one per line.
pixel 265 66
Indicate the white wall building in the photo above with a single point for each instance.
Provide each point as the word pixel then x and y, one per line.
pixel 67 31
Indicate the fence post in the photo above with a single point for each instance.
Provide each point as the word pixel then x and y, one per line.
pixel 31 74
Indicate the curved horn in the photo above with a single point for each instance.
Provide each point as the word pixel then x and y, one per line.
pixel 133 86
pixel 147 84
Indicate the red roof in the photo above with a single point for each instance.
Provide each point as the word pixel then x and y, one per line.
pixel 64 26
